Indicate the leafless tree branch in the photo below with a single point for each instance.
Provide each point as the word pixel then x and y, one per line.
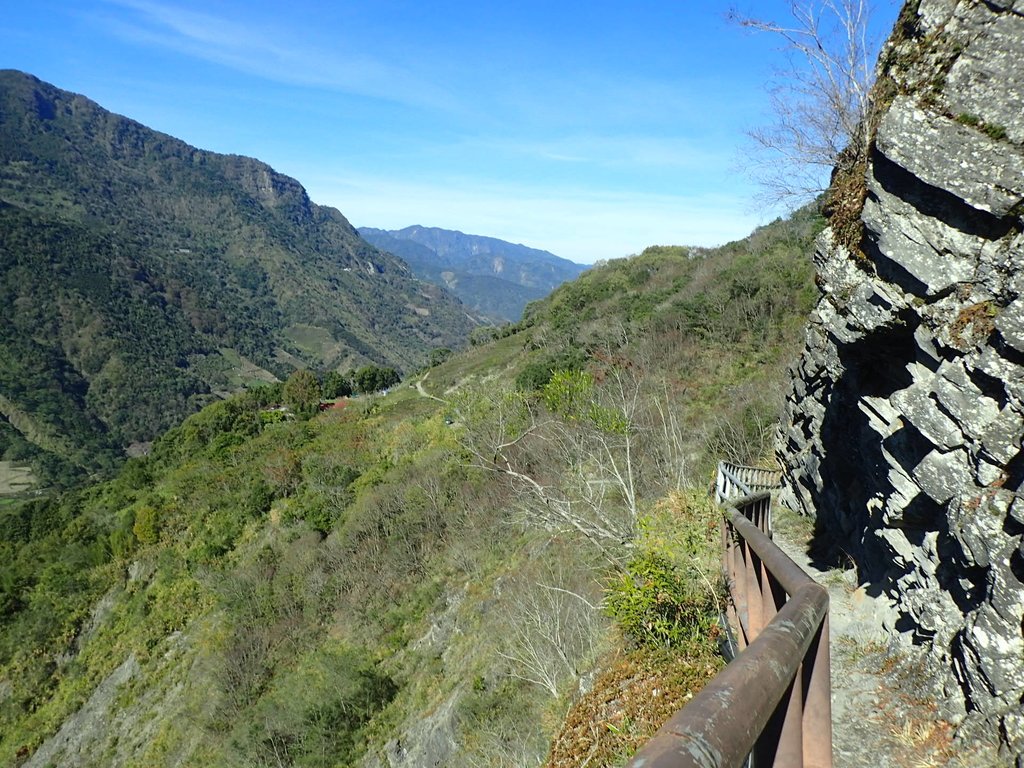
pixel 819 101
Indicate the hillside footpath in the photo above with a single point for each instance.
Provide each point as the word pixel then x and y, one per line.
pixel 884 712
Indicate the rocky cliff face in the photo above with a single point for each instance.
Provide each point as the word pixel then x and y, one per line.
pixel 902 434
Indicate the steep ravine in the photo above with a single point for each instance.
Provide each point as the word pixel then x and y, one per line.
pixel 902 432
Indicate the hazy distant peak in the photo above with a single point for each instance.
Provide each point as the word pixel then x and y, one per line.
pixel 494 277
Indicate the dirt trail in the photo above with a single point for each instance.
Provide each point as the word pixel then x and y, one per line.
pixel 879 717
pixel 423 392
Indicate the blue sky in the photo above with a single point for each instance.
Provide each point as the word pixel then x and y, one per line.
pixel 587 129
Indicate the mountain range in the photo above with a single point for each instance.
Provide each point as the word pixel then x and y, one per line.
pixel 511 558
pixel 141 277
pixel 492 277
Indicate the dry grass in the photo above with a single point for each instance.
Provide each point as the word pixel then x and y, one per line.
pixel 844 204
pixel 792 526
pixel 914 735
pixel 628 703
pixel 973 324
pixel 921 740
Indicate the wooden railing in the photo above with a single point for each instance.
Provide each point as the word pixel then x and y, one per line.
pixel 772 703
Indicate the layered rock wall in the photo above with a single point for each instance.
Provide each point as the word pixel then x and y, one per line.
pixel 902 434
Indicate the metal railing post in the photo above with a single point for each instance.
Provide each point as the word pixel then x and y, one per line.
pixel 818 705
pixel 773 701
pixel 753 593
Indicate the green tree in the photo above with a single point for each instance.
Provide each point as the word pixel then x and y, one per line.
pixel 147 525
pixel 438 356
pixel 302 393
pixel 373 378
pixel 335 385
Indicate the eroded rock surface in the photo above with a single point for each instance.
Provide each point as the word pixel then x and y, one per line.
pixel 902 433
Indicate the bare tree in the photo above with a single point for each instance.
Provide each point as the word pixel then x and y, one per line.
pixel 581 455
pixel 573 464
pixel 744 431
pixel 512 742
pixel 673 453
pixel 552 633
pixel 819 99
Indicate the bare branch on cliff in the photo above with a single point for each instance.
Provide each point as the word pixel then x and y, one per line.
pixel 818 100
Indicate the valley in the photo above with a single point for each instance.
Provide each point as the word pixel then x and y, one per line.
pixel 341 587
pixel 148 277
pixel 275 491
pixel 492 277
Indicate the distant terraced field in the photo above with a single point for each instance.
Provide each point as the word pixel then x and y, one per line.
pixel 15 478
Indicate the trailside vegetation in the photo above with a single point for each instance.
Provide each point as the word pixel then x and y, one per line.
pixel 305 588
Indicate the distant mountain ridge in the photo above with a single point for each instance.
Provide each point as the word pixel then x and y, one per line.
pixel 492 276
pixel 139 276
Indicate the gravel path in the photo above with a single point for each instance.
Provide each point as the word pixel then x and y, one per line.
pixel 880 717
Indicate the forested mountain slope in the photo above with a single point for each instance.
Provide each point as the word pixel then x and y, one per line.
pixel 418 578
pixel 140 275
pixel 491 276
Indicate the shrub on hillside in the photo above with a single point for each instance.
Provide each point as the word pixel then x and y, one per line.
pixel 666 597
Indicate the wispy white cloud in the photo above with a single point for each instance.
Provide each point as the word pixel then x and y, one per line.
pixel 582 135
pixel 630 151
pixel 267 53
pixel 573 97
pixel 491 94
pixel 577 224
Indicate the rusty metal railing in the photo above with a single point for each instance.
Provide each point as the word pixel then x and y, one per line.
pixel 737 480
pixel 772 703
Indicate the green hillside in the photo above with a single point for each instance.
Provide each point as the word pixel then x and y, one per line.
pixel 143 277
pixel 424 576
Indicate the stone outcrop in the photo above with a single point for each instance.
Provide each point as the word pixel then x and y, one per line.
pixel 902 433
pixel 80 734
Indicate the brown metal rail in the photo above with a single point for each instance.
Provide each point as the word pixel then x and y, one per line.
pixel 773 701
pixel 738 480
